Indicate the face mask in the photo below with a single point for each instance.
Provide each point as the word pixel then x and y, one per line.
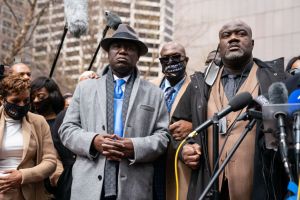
pixel 14 111
pixel 174 71
pixel 42 107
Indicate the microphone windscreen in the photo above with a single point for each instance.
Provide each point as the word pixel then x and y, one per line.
pixel 113 20
pixel 240 101
pixel 294 97
pixel 76 12
pixel 278 93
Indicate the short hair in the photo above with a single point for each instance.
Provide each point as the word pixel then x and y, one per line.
pixel 56 99
pixel 291 62
pixel 13 84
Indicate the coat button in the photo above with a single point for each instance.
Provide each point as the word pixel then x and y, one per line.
pixel 74 156
pixel 100 177
pixel 275 74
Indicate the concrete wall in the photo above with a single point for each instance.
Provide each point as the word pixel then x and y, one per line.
pixel 275 25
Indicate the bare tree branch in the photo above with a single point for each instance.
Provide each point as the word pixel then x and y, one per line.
pixel 30 3
pixel 12 12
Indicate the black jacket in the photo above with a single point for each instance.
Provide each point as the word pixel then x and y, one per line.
pixel 270 180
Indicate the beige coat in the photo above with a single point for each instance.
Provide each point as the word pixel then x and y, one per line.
pixel 39 158
pixel 184 172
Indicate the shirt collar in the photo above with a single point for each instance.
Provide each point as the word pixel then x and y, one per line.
pixel 124 78
pixel 245 72
pixel 166 84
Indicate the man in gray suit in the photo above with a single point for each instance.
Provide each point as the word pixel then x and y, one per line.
pixel 117 125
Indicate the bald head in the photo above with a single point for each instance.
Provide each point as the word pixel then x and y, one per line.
pixel 22 69
pixel 172 48
pixel 236 45
pixel 236 24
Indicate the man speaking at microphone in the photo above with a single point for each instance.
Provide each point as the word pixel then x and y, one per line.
pixel 251 173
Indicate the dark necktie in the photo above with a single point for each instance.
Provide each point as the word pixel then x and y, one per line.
pixel 168 97
pixel 230 87
pixel 111 167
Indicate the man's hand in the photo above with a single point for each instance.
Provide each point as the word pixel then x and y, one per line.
pixel 99 139
pixel 180 129
pixel 11 181
pixel 191 155
pixel 118 149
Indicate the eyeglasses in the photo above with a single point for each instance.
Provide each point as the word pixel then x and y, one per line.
pixel 171 59
pixel 295 70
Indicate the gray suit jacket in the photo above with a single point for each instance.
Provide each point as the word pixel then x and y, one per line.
pixel 146 124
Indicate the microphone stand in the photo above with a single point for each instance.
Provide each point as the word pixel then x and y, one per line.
pixel 215 177
pixel 98 48
pixel 296 127
pixel 59 49
pixel 215 120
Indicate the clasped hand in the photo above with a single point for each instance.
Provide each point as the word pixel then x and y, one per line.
pixel 9 180
pixel 114 147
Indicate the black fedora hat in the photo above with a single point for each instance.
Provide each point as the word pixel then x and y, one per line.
pixel 125 32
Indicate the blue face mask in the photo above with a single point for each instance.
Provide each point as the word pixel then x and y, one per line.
pixel 14 111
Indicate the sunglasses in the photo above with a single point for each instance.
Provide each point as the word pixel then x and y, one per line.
pixel 171 59
pixel 295 70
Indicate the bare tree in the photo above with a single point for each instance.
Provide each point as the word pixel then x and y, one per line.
pixel 25 28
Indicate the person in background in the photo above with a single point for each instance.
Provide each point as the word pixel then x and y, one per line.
pixel 46 98
pixel 293 66
pixel 27 155
pixel 173 60
pixel 22 69
pixel 88 75
pixel 67 97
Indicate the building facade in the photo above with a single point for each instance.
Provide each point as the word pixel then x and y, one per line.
pixel 274 24
pixel 152 19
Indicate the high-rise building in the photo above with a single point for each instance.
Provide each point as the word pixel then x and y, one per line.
pixel 9 29
pixel 152 19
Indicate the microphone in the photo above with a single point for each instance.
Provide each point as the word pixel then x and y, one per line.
pixel 113 20
pixel 254 109
pixel 295 98
pixel 236 103
pixel 76 12
pixel 278 94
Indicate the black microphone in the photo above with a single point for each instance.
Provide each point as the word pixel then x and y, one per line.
pixel 278 94
pixel 236 103
pixel 254 109
pixel 113 20
pixel 76 12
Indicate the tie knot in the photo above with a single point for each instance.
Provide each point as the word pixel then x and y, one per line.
pixel 120 82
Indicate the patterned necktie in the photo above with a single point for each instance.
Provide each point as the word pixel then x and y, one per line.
pixel 118 101
pixel 168 97
pixel 230 87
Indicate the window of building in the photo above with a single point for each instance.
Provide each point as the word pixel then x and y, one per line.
pixel 149 8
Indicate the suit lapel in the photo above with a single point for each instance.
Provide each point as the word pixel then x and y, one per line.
pixel 2 125
pixel 26 131
pixel 179 94
pixel 101 93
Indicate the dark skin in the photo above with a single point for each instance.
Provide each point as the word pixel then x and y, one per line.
pixel 181 128
pixel 123 56
pixel 236 47
pixel 170 49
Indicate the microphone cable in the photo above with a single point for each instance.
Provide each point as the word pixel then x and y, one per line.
pixel 191 135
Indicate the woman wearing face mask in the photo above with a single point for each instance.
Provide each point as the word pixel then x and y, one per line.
pixel 27 154
pixel 46 98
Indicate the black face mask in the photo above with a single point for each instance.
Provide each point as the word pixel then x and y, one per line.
pixel 42 107
pixel 174 71
pixel 14 111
